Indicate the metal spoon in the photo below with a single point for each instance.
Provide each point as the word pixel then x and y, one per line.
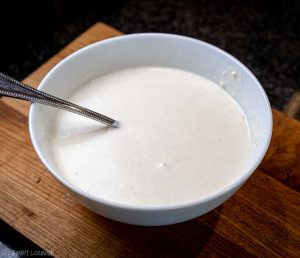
pixel 12 88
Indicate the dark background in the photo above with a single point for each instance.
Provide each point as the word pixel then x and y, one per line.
pixel 263 34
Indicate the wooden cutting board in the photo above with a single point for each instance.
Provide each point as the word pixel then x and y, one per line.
pixel 261 219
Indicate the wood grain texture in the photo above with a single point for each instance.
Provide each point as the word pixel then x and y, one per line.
pixel 261 220
pixel 283 157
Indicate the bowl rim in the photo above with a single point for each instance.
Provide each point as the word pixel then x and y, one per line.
pixel 247 172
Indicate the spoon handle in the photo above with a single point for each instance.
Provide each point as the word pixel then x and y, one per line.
pixel 12 88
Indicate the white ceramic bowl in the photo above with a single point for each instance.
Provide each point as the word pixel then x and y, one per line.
pixel 154 50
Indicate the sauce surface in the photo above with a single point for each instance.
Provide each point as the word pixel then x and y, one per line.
pixel 181 138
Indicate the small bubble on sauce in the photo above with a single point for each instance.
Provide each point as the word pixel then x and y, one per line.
pixel 162 165
pixel 234 75
pixel 222 84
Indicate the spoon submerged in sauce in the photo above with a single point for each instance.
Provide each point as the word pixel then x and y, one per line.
pixel 12 88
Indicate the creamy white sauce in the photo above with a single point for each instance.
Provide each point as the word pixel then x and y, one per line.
pixel 181 138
